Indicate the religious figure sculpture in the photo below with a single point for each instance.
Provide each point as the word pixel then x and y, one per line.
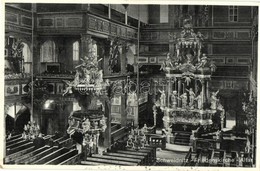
pixel 184 99
pixel 199 100
pixel 214 100
pixel 174 99
pixel 162 98
pixel 191 97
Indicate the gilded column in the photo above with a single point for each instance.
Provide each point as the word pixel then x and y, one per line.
pixel 203 91
pixel 179 92
pixel 207 90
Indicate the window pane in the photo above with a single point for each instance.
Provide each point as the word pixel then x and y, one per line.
pixel 48 52
pixel 27 67
pixel 27 53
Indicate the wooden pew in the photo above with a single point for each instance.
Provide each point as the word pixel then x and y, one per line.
pixel 10 158
pixel 138 161
pixel 119 134
pixel 93 163
pixel 142 158
pixel 40 155
pixel 64 143
pixel 19 143
pixel 109 161
pixel 14 141
pixel 114 127
pixel 63 157
pixel 149 152
pixel 145 155
pixel 53 139
pixel 71 161
pixel 25 150
pixel 14 137
pixel 19 148
pixel 25 157
pixel 51 156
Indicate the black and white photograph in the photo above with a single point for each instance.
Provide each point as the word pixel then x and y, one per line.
pixel 153 85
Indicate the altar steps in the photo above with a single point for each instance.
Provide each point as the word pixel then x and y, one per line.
pixel 182 138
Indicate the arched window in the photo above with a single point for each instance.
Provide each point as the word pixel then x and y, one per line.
pixel 76 51
pixel 27 55
pixel 48 53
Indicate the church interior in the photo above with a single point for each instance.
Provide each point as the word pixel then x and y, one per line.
pixel 130 85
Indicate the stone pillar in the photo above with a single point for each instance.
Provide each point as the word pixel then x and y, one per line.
pixel 123 58
pixel 107 133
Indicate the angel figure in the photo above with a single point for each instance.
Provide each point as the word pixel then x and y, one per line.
pixel 167 63
pixel 162 98
pixel 68 88
pixel 203 61
pixel 214 100
pixel 99 79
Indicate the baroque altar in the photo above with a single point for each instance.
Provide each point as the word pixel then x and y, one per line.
pixel 187 101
